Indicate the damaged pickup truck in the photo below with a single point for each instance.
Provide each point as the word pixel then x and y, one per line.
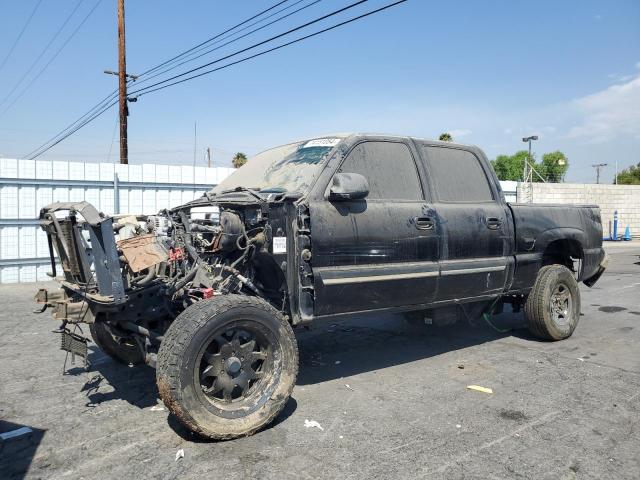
pixel 209 292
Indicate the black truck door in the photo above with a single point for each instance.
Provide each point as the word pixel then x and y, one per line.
pixel 473 221
pixel 381 251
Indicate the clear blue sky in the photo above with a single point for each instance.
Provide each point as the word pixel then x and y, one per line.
pixel 488 72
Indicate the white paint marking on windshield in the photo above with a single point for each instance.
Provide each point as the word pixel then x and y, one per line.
pixel 322 142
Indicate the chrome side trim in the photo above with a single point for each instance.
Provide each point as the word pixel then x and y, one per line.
pixel 379 278
pixel 466 271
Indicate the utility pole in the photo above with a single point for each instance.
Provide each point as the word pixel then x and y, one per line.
pixel 122 84
pixel 598 166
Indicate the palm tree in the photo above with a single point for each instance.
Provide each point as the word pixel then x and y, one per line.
pixel 446 137
pixel 239 159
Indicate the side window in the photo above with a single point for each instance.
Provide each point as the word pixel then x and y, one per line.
pixel 457 175
pixel 389 168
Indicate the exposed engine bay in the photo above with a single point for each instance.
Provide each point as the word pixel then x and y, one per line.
pixel 133 274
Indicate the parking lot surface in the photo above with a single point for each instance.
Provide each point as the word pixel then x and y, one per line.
pixel 390 401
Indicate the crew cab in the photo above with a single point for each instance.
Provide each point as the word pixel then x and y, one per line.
pixel 209 292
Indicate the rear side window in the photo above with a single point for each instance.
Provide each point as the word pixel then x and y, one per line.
pixel 389 168
pixel 457 175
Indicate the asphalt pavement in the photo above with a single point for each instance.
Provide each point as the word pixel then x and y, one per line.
pixel 390 401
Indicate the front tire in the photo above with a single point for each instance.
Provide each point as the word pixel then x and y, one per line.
pixel 227 366
pixel 552 309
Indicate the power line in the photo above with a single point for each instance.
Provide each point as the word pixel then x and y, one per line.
pixel 44 50
pixel 176 65
pixel 24 28
pixel 297 40
pixel 214 37
pixel 40 150
pixel 99 111
pixel 55 55
pixel 324 17
pixel 104 104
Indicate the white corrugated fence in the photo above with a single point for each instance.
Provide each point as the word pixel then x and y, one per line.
pixel 28 185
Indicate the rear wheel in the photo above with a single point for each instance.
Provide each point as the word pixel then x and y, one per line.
pixel 123 349
pixel 227 366
pixel 552 309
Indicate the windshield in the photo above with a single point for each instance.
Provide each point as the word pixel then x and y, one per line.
pixel 289 168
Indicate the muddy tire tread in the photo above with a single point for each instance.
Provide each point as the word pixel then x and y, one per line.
pixel 180 333
pixel 537 303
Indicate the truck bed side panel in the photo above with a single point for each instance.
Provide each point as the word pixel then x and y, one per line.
pixel 537 226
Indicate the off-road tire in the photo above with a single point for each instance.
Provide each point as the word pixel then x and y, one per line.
pixel 181 351
pixel 538 309
pixel 124 351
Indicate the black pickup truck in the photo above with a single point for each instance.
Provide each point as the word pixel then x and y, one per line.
pixel 208 292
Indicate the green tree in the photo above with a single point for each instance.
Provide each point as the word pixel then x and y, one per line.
pixel 554 166
pixel 445 137
pixel 239 159
pixel 510 167
pixel 630 176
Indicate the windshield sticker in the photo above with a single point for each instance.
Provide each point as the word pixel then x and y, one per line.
pixel 279 244
pixel 322 142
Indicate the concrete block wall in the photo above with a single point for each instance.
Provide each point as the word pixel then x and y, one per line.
pixel 623 198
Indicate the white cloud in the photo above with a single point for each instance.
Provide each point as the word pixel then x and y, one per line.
pixel 610 113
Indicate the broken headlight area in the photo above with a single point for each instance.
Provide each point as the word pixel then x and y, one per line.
pixel 136 273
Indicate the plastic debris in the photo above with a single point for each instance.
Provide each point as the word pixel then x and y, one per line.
pixel 581 359
pixel 157 408
pixel 349 387
pixel 458 425
pixel 179 454
pixel 341 436
pixel 478 388
pixel 312 423
pixel 15 433
pixel 461 366
pixel 337 362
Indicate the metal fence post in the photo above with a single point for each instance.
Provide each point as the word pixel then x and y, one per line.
pixel 116 194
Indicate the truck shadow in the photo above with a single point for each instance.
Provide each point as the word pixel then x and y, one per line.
pixel 361 345
pixel 327 352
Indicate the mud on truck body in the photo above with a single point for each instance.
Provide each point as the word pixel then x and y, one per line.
pixel 208 292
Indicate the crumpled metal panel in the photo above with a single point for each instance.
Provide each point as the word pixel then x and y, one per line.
pixel 142 252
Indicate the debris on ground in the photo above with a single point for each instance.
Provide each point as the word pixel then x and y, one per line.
pixel 478 388
pixel 157 408
pixel 179 454
pixel 337 362
pixel 458 425
pixel 312 423
pixel 461 366
pixel 15 433
pixel 349 387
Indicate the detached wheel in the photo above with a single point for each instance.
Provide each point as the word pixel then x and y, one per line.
pixel 122 349
pixel 227 366
pixel 552 310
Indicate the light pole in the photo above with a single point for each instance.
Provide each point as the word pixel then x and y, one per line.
pixel 598 166
pixel 527 170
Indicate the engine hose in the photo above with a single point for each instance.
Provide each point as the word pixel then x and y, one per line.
pixel 146 279
pixel 190 275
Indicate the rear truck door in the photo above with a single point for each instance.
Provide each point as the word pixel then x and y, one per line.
pixel 381 251
pixel 475 225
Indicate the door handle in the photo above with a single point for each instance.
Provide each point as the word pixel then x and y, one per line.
pixel 493 223
pixel 423 223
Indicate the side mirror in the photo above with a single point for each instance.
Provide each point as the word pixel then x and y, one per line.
pixel 348 186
